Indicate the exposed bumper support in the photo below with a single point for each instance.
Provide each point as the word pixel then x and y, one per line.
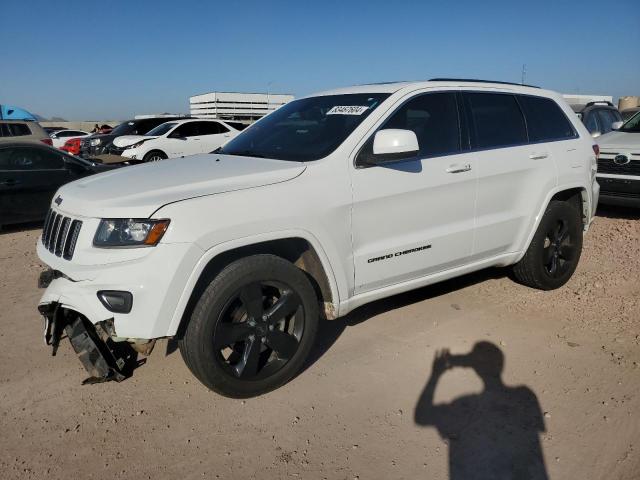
pixel 103 358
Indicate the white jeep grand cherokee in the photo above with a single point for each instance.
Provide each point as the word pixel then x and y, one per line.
pixel 328 203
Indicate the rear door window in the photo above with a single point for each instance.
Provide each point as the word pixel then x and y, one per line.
pixel 211 128
pixel 18 130
pixel 496 120
pixel 546 121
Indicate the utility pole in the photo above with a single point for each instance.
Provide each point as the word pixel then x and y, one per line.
pixel 524 73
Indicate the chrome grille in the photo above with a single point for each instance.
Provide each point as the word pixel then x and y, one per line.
pixel 60 234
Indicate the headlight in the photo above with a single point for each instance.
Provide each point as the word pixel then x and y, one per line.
pixel 129 232
pixel 135 145
pixel 95 141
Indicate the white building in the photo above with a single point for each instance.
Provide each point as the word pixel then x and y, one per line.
pixel 236 106
pixel 572 99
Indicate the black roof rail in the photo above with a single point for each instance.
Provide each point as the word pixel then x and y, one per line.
pixel 591 104
pixel 479 81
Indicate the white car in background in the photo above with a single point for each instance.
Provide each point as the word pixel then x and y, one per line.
pixel 176 139
pixel 59 137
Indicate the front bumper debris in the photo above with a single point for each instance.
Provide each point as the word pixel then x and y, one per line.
pixel 104 359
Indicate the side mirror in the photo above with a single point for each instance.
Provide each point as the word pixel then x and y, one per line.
pixel 53 135
pixel 616 125
pixel 596 134
pixel 394 144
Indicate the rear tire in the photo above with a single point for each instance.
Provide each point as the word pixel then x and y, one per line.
pixel 252 328
pixel 555 249
pixel 154 156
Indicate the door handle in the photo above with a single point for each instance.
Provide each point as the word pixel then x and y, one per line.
pixel 458 168
pixel 538 156
pixel 10 183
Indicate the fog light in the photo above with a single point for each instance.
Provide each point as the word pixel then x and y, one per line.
pixel 116 301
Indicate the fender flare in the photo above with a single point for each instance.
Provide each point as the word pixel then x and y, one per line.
pixel 215 250
pixel 543 208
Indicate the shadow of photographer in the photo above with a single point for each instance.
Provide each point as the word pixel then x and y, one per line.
pixel 493 434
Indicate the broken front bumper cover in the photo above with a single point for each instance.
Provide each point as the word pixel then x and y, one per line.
pixel 103 358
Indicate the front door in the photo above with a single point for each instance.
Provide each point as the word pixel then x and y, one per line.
pixel 29 176
pixel 415 217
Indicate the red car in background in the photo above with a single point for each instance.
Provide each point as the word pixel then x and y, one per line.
pixel 71 146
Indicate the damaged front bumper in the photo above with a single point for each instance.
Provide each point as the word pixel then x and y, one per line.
pixel 103 358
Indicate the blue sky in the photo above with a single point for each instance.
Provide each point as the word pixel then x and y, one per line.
pixel 112 59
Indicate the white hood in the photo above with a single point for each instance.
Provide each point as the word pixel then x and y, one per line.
pixel 619 140
pixel 126 140
pixel 138 191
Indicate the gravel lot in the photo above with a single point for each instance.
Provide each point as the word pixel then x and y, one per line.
pixel 570 381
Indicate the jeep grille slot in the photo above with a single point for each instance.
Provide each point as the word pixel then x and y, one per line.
pixel 60 234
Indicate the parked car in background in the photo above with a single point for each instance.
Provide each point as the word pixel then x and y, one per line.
pixel 627 113
pixel 50 130
pixel 23 131
pixel 619 165
pixel 59 137
pixel 30 173
pixel 72 146
pixel 328 203
pixel 176 139
pixel 102 143
pixel 599 117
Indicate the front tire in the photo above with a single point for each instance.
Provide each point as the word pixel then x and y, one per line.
pixel 253 327
pixel 154 156
pixel 555 249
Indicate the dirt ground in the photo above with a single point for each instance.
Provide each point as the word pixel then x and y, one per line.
pixel 566 403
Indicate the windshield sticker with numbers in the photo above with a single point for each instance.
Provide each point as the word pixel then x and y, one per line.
pixel 347 110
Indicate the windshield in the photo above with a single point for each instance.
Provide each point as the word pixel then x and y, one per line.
pixel 632 125
pixel 123 129
pixel 305 129
pixel 160 129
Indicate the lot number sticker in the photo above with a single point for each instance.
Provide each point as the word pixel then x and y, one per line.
pixel 347 110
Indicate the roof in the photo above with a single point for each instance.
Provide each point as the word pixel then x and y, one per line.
pixel 393 87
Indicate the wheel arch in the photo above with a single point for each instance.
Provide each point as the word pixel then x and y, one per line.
pixel 574 193
pixel 303 252
pixel 153 150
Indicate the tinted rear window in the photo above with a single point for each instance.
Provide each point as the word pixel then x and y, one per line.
pixel 18 129
pixel 496 119
pixel 545 119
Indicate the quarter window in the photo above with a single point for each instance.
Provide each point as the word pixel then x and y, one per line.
pixel 545 119
pixel 496 120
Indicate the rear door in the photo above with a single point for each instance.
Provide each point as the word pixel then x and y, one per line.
pixel 516 161
pixel 29 176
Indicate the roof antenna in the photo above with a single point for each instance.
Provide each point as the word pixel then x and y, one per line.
pixel 524 73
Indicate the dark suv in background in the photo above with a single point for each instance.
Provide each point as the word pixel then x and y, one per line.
pixel 102 144
pixel 599 117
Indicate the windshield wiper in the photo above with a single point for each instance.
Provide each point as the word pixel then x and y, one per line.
pixel 242 153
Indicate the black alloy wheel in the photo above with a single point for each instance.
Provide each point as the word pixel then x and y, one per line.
pixel 259 330
pixel 252 328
